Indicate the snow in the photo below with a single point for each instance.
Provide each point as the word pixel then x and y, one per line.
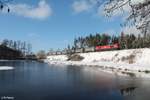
pixel 6 68
pixel 124 60
pixel 57 58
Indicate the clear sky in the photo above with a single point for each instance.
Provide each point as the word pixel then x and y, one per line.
pixel 54 23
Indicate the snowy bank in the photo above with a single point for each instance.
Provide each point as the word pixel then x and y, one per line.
pixel 133 59
pixel 57 58
pixel 6 68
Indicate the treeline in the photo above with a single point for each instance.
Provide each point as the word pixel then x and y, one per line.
pixel 131 41
pixel 24 47
pixel 126 41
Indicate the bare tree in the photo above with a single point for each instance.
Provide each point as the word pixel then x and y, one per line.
pixel 41 54
pixel 139 13
pixel 29 48
pixel 4 4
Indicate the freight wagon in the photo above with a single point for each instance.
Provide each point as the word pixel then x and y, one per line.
pixel 90 49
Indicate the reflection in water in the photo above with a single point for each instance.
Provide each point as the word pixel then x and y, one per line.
pixel 127 91
pixel 38 81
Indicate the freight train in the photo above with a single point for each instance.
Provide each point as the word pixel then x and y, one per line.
pixel 115 46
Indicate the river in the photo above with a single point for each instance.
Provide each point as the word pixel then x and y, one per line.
pixel 31 80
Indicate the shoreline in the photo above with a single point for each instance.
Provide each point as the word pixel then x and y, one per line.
pixel 111 61
pixel 113 70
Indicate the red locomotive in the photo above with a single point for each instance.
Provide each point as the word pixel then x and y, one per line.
pixel 107 47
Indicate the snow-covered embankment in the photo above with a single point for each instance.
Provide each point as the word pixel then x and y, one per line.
pixel 133 59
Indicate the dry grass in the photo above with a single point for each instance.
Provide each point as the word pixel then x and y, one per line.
pixel 147 71
pixel 129 73
pixel 75 57
pixel 129 58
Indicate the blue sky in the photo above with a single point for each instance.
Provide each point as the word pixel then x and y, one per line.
pixel 54 23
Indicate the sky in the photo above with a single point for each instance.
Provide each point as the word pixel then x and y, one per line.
pixel 54 23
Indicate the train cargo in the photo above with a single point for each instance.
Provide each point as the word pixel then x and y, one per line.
pixel 90 49
pixel 80 50
pixel 58 52
pixel 64 52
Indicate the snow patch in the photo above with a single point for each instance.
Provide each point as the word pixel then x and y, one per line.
pixel 57 58
pixel 6 68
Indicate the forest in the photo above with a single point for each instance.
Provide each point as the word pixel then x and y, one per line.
pixel 126 41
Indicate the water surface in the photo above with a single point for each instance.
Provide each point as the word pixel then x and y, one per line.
pixel 32 80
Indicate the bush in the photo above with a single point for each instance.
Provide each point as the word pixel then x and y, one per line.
pixel 129 58
pixel 41 54
pixel 75 57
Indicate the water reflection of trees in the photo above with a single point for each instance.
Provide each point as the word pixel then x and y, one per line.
pixel 126 85
pixel 127 91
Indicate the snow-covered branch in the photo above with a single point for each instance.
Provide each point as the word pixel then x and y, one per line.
pixel 138 15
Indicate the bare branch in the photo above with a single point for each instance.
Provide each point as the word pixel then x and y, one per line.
pixel 139 14
pixel 4 4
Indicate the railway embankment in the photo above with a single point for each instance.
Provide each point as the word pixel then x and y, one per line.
pixel 124 61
